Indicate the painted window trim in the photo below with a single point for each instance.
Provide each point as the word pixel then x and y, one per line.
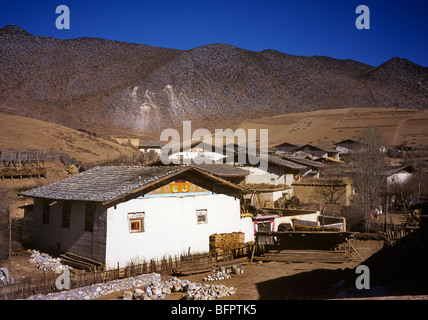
pixel 202 213
pixel 136 217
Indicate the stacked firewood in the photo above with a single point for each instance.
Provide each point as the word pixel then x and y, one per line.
pixel 300 227
pixel 222 242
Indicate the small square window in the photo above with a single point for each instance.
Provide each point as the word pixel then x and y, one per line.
pixel 136 222
pixel 201 216
pixel 136 225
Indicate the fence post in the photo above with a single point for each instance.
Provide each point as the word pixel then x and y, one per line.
pixel 44 281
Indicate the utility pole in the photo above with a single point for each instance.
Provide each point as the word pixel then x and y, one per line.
pixel 386 213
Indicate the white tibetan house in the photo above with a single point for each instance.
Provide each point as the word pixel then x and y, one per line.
pixel 397 176
pixel 119 215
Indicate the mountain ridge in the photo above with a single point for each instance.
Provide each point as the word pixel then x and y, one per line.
pixel 115 87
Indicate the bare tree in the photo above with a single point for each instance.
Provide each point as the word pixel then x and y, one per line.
pixel 330 190
pixel 369 161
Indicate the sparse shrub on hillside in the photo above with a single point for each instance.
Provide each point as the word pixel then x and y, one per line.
pixel 112 84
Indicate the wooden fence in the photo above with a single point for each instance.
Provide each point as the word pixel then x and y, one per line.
pixel 21 158
pixel 25 287
pixel 394 233
pixel 375 227
pixel 30 163
pixel 22 163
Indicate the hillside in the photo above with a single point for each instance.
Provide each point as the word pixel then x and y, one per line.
pixel 21 133
pixel 113 87
pixel 326 127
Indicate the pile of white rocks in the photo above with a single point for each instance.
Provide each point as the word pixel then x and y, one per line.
pixel 101 289
pixel 46 262
pixel 5 278
pixel 158 290
pixel 208 292
pixel 216 276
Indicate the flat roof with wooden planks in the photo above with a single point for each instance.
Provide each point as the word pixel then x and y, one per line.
pixel 22 163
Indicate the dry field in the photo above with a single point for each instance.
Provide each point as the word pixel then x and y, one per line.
pixel 327 127
pixel 21 133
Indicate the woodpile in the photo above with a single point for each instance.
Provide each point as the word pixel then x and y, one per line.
pixel 222 242
pixel 300 227
pixel 24 171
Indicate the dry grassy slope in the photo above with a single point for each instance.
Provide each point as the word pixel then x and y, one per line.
pixel 325 127
pixel 23 133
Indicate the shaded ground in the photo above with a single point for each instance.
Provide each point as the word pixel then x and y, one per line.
pixel 279 280
pixel 395 273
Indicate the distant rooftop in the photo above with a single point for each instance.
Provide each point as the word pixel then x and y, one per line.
pixel 150 143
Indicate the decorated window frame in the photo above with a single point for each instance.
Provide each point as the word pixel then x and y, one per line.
pixel 136 222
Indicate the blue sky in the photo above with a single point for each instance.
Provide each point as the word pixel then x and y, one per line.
pixel 322 27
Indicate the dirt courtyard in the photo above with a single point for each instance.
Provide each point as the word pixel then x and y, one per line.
pixel 278 280
pixel 395 273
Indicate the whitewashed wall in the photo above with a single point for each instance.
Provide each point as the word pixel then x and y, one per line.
pixel 398 178
pixel 208 156
pixel 171 227
pixel 308 217
pixel 156 150
pixel 275 175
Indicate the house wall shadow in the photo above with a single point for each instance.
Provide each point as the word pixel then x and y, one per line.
pixel 393 271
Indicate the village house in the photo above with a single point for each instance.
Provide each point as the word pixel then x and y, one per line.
pixel 150 146
pixel 277 172
pixel 271 181
pixel 324 191
pixel 286 147
pixel 119 215
pixel 316 152
pixel 199 151
pixel 347 145
pixel 314 166
pixel 128 141
pixel 399 175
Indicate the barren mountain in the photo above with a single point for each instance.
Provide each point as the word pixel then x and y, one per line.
pixel 116 87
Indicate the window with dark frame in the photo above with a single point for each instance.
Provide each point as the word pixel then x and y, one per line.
pixel 46 211
pixel 89 216
pixel 201 216
pixel 66 214
pixel 136 225
pixel 136 222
